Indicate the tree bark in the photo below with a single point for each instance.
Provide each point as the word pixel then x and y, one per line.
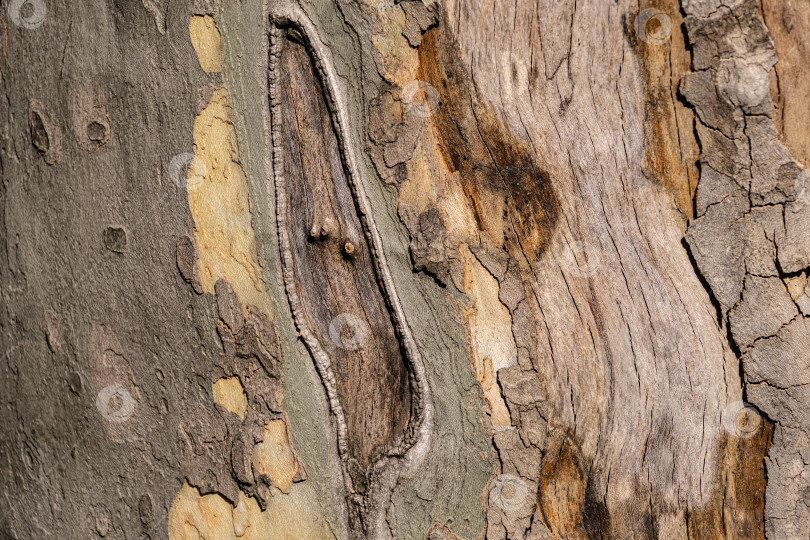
pixel 412 269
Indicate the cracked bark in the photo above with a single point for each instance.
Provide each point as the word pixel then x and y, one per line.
pixel 405 269
pixel 733 56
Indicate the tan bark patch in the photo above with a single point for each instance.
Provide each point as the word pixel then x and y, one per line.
pixel 210 517
pixel 207 42
pixel 229 393
pixel 491 334
pixel 220 203
pixel 274 456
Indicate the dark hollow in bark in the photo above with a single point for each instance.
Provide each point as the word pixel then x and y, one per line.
pixel 342 301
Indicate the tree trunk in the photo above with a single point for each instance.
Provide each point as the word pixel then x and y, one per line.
pixel 409 269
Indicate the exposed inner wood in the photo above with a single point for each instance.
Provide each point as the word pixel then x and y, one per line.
pixel 670 148
pixel 339 290
pixel 503 180
pixel 788 23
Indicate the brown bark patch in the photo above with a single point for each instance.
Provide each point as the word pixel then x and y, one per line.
pixel 738 512
pixel 115 239
pixel 562 491
pixel 186 258
pixel 788 24
pixel 745 481
pixel 507 186
pixel 670 148
pixel 91 124
pixel 52 331
pixel 46 133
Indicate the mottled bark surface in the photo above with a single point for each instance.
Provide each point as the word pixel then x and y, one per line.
pixel 415 269
pixel 104 348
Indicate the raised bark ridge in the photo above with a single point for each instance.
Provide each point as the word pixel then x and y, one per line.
pixel 334 276
pixel 751 238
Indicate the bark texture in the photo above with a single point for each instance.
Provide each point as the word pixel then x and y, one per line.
pixel 750 239
pixel 412 269
pixel 104 349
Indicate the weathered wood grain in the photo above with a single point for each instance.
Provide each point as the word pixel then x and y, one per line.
pixel 622 374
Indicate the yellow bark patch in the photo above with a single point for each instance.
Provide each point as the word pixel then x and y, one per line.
pixel 220 204
pixel 400 60
pixel 274 456
pixel 207 42
pixel 491 334
pixel 193 516
pixel 229 393
pixel 210 517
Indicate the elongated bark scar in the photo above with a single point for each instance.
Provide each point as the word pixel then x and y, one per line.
pixel 338 283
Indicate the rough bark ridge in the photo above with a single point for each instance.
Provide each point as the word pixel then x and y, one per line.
pixel 750 239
